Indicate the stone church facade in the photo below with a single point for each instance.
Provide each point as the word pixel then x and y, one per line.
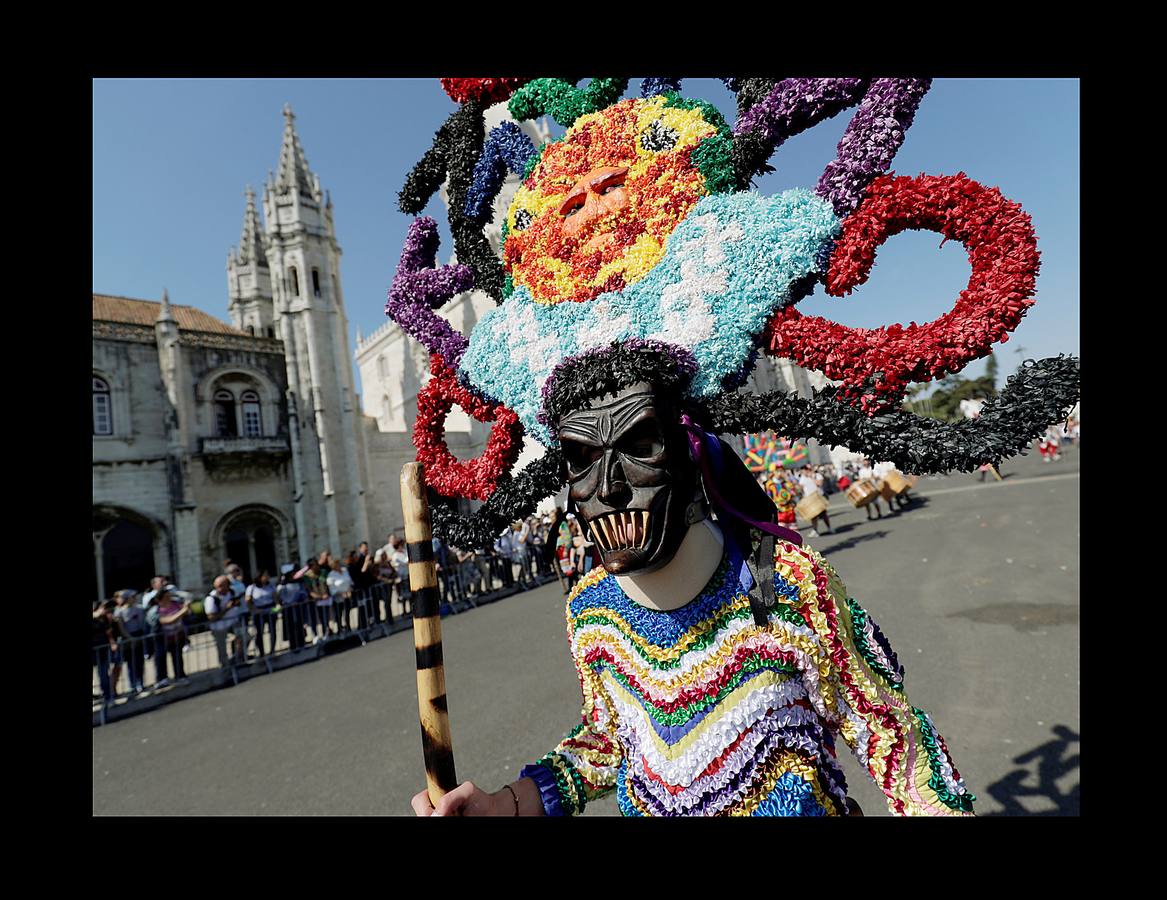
pixel 214 440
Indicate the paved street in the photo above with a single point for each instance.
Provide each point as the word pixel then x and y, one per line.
pixel 976 587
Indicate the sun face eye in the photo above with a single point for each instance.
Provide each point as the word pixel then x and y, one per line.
pixel 573 209
pixel 522 220
pixel 658 137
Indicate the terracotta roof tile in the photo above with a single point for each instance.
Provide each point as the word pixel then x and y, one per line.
pixel 108 308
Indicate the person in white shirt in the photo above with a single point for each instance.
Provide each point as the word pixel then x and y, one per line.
pixel 520 554
pixel 902 499
pixel 866 473
pixel 810 485
pixel 225 613
pixel 340 588
pixel 971 408
pixel 261 600
pixel 292 599
pixel 504 551
pixel 131 621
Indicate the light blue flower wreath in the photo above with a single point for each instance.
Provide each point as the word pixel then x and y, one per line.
pixel 733 261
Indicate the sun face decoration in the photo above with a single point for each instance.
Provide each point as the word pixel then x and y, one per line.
pixel 594 213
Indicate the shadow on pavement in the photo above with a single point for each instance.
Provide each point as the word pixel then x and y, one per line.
pixel 1023 617
pixel 1026 792
pixel 851 542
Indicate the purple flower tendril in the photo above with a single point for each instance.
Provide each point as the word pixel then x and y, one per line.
pixel 796 104
pixel 872 139
pixel 418 288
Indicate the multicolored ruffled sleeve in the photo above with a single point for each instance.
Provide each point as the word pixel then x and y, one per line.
pixel 584 765
pixel 860 692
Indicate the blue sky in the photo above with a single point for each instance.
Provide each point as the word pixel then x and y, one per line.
pixel 171 159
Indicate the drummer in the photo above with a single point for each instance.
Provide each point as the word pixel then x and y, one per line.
pixel 810 485
pixel 866 473
pixel 903 498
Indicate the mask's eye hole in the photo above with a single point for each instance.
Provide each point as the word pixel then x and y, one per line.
pixel 580 456
pixel 658 136
pixel 522 220
pixel 643 440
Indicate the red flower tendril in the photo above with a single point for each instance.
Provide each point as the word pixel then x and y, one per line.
pixel 875 365
pixel 494 90
pixel 444 472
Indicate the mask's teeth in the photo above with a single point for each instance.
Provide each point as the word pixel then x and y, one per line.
pixel 607 534
pixel 644 530
pixel 624 535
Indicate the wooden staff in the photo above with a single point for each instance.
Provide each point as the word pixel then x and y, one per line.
pixel 427 635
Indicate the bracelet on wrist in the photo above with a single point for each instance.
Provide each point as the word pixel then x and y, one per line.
pixel 514 796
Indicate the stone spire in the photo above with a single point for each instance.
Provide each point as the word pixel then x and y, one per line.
pixel 293 170
pixel 251 243
pixel 165 314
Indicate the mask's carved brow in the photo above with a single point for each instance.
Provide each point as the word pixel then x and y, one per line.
pixel 624 419
pixel 584 431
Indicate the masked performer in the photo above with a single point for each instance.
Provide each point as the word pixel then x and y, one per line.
pixel 719 657
pixel 765 456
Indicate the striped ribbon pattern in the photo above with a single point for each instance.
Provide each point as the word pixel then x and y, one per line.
pixel 700 711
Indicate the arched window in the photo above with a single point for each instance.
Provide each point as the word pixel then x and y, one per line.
pixel 225 424
pixel 383 366
pixel 252 423
pixel 316 282
pixel 295 281
pixel 251 330
pixel 102 408
pixel 386 408
pixel 335 291
pixel 271 332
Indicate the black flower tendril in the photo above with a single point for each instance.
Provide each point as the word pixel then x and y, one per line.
pixel 522 220
pixel 658 136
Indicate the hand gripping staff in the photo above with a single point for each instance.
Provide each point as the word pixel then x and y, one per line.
pixel 427 635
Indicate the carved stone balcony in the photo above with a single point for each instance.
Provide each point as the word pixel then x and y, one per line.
pixel 245 445
pixel 244 454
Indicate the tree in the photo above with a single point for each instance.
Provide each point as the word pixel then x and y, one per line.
pixel 944 402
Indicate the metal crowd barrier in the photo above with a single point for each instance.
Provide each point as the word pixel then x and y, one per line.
pixel 157 662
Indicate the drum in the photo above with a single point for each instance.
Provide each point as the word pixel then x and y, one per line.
pixel 862 493
pixel 811 506
pixel 885 490
pixel 897 482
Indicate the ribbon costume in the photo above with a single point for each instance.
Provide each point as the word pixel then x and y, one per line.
pixel 640 279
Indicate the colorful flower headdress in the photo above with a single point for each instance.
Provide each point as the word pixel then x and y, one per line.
pixel 693 274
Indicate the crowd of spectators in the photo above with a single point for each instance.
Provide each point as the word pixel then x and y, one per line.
pixel 313 602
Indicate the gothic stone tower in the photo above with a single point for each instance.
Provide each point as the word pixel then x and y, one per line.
pixel 290 280
pixel 249 278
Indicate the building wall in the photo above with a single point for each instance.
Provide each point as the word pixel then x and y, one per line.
pixel 183 480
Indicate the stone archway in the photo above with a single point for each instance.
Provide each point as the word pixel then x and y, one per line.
pixel 256 537
pixel 129 549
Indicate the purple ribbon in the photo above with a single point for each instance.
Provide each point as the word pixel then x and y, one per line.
pixel 700 451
